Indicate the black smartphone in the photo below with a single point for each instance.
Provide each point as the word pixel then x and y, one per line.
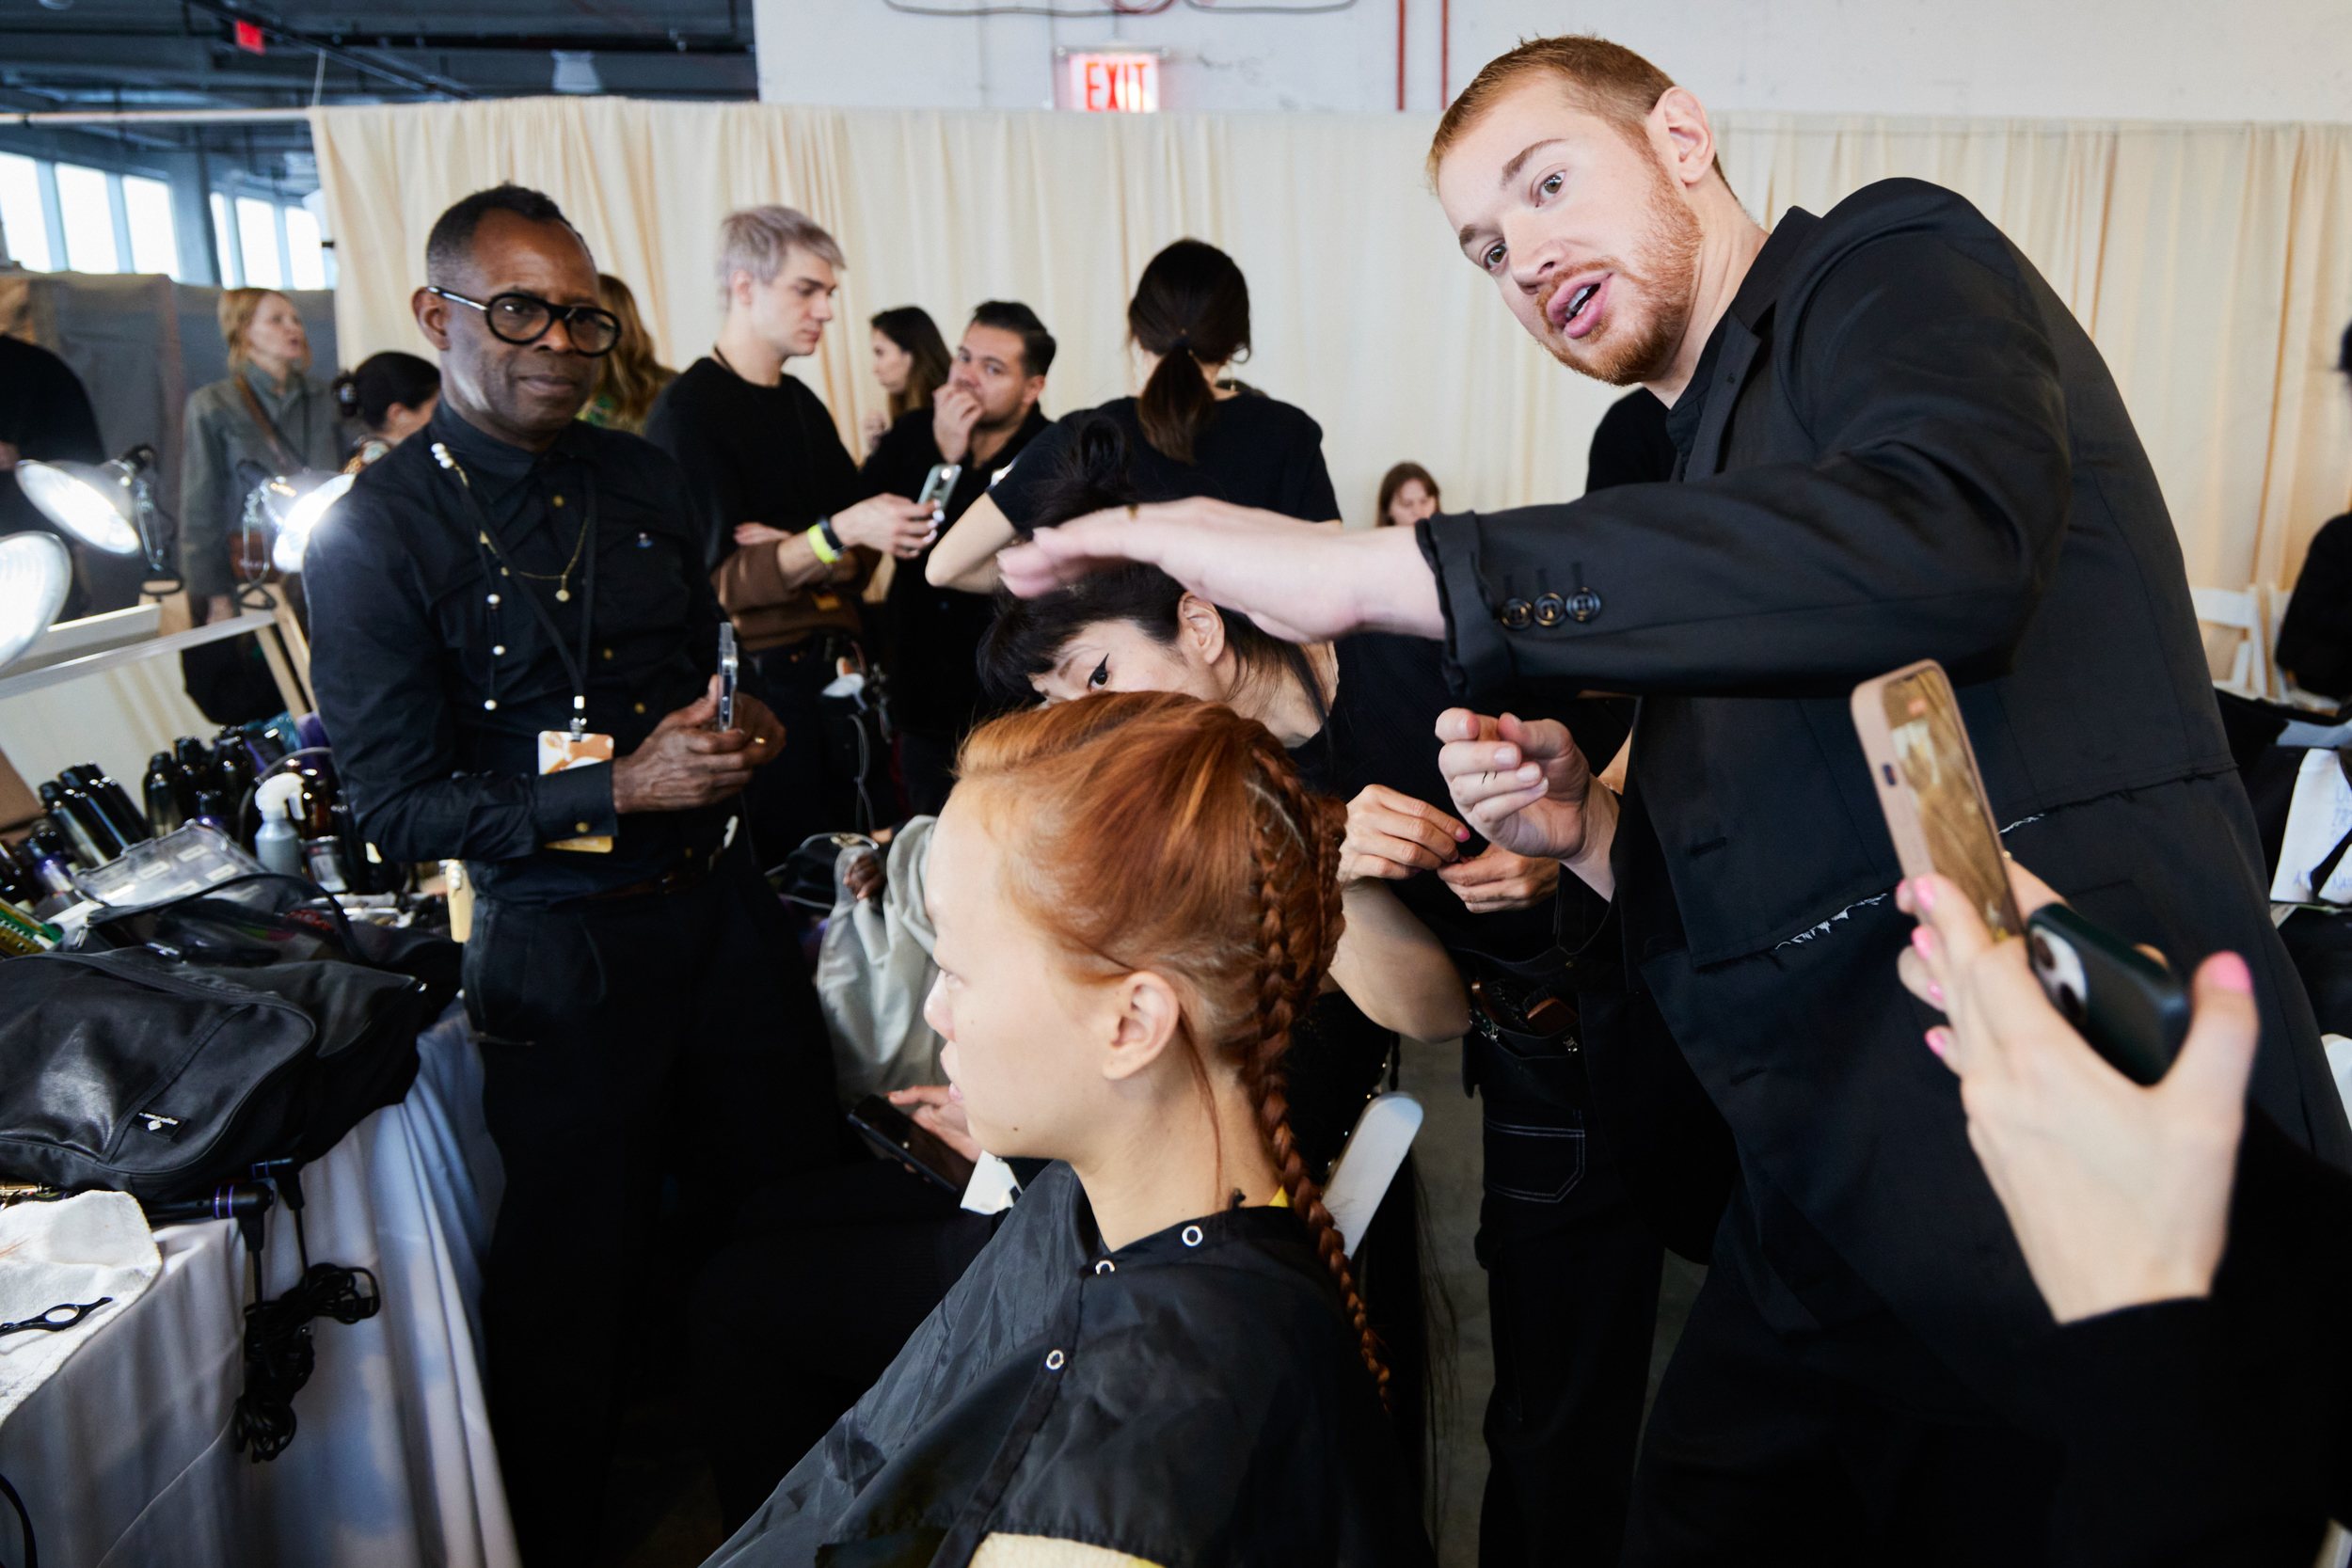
pixel 730 669
pixel 896 1135
pixel 2128 1006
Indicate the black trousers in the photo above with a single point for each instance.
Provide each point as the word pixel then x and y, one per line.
pixel 1572 1277
pixel 812 788
pixel 627 1044
pixel 827 1276
pixel 1757 1452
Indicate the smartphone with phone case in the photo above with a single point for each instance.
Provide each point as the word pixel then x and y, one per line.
pixel 2127 1004
pixel 937 486
pixel 729 670
pixel 1927 785
pixel 897 1135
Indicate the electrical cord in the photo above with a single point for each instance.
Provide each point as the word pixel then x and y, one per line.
pixel 278 1352
pixel 1113 10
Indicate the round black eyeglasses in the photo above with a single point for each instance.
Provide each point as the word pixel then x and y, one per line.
pixel 520 318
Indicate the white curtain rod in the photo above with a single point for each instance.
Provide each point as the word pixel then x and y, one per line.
pixel 152 116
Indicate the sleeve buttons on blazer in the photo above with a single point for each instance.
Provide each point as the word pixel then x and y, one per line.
pixel 1584 605
pixel 1514 613
pixel 1551 609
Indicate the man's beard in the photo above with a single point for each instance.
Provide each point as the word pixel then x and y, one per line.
pixel 1664 272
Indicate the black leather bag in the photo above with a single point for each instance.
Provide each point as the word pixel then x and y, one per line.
pixel 138 1071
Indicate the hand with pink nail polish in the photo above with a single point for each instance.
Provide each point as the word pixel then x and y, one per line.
pixel 2119 1195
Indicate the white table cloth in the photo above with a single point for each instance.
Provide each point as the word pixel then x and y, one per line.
pixel 124 1458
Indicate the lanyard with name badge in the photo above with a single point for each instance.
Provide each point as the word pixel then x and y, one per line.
pixel 559 750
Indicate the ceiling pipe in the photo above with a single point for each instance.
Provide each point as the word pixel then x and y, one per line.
pixel 150 117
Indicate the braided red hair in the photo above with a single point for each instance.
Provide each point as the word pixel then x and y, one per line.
pixel 1152 830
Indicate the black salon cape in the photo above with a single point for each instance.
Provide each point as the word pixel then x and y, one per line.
pixel 1182 1403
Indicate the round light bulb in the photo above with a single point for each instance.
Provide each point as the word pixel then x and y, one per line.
pixel 89 500
pixel 35 573
pixel 297 517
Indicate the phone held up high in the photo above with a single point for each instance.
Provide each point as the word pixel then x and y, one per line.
pixel 729 669
pixel 2128 1006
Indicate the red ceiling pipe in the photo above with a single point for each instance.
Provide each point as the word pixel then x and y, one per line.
pixel 1445 52
pixel 1400 57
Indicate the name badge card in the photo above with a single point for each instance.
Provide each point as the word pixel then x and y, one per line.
pixel 561 750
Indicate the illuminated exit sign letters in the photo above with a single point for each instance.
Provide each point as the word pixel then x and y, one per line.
pixel 1114 84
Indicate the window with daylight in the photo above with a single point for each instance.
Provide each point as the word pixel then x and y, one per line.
pixel 257 237
pixel 21 222
pixel 86 214
pixel 154 237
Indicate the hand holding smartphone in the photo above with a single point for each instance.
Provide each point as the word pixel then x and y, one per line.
pixel 2128 1006
pixel 729 670
pixel 937 486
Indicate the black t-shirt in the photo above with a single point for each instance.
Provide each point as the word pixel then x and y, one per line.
pixel 1383 730
pixel 1255 450
pixel 2315 637
pixel 935 633
pixel 752 454
pixel 1632 445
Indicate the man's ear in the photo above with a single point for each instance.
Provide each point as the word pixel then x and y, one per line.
pixel 1146 1016
pixel 432 313
pixel 1031 390
pixel 739 288
pixel 1679 120
pixel 1203 627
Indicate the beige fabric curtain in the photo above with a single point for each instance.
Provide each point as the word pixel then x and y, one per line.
pixel 2213 263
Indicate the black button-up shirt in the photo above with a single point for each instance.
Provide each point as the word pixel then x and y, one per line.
pixel 434 696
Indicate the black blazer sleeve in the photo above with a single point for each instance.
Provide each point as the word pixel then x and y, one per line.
pixel 1925 525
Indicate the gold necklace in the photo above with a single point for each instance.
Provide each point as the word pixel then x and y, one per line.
pixel 563 578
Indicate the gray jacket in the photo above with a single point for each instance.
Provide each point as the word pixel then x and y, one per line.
pixel 217 434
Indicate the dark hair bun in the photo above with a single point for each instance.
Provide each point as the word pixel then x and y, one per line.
pixel 346 388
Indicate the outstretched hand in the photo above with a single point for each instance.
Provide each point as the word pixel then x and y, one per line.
pixel 1521 783
pixel 1302 581
pixel 2119 1195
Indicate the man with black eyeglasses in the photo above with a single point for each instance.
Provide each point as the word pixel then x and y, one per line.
pixel 514 641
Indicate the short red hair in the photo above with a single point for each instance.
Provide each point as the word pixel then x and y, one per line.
pixel 1603 79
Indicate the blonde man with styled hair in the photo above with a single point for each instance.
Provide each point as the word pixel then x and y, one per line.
pixel 787 542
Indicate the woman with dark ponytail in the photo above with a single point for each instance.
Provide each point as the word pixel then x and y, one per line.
pixel 390 395
pixel 1162 1355
pixel 1194 430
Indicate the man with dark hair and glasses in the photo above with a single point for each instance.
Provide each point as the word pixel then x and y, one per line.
pixel 513 647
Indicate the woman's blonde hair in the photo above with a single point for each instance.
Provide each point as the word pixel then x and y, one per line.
pixel 238 307
pixel 630 375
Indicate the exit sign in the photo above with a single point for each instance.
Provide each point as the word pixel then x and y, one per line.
pixel 1114 84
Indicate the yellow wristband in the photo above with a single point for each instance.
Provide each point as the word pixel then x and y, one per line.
pixel 825 552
